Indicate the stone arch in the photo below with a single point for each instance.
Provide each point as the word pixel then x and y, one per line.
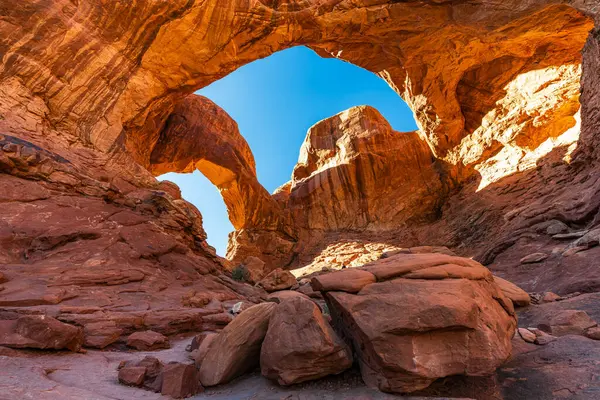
pixel 120 89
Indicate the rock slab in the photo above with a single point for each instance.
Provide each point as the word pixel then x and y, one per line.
pixel 300 345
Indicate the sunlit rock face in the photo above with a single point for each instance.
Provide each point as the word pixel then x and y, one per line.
pixel 354 173
pixel 493 85
pixel 199 135
pixel 370 175
pixel 121 89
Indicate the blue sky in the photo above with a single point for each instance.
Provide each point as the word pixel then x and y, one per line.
pixel 275 101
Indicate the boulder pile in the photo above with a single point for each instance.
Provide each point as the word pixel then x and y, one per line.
pixel 409 319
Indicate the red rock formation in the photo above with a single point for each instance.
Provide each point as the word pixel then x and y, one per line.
pixel 428 316
pixel 102 253
pixel 93 95
pixel 199 135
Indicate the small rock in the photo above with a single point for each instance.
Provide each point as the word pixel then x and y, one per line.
pixel 593 333
pixel 541 337
pixel 146 373
pixel 527 335
pixel 132 376
pixel 154 368
pixel 534 258
pixel 556 227
pixel 550 297
pixel 3 278
pixel 574 250
pixel 569 236
pixel 278 280
pixel 180 381
pixel 148 341
pixel 569 322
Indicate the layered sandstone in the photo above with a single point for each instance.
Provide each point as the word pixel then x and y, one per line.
pixel 354 163
pixel 492 84
pixel 428 316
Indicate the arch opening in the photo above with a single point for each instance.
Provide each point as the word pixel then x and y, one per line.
pixel 273 102
pixel 458 131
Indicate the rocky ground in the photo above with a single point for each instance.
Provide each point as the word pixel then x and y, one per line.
pixel 564 368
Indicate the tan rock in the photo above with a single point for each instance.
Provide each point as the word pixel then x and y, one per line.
pixel 549 297
pixel 278 280
pixel 593 333
pixel 300 345
pixel 148 340
pixel 348 280
pixel 534 258
pixel 237 348
pixel 574 250
pixel 527 335
pixel 518 296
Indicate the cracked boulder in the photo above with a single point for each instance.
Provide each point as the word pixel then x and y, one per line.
pixel 301 345
pixel 428 316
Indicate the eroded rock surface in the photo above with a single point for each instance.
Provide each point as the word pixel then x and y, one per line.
pixel 427 317
pixel 236 350
pixel 300 345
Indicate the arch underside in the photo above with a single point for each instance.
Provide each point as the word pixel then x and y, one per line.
pixel 490 84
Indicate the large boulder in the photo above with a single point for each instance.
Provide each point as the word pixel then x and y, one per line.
pixel 427 317
pixel 40 332
pixel 278 280
pixel 301 345
pixel 236 349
